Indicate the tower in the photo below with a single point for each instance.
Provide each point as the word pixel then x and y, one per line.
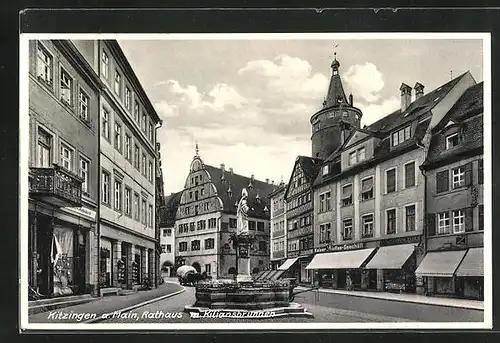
pixel 333 123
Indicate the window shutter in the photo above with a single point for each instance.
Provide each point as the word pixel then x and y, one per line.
pixel 442 181
pixel 469 223
pixel 468 174
pixel 431 224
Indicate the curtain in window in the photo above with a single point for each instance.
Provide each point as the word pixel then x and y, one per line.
pixel 63 268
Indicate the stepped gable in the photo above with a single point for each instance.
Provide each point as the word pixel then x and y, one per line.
pixel 169 209
pixel 472 131
pixel 229 190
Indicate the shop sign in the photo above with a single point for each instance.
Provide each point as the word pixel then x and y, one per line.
pixel 81 211
pixel 400 240
pixel 293 253
pixel 331 247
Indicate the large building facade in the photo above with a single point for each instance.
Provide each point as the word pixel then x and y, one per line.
pixel 127 161
pixel 454 263
pixel 167 213
pixel 206 218
pixel 63 175
pixel 278 227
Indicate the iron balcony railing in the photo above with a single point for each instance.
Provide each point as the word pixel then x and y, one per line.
pixel 57 185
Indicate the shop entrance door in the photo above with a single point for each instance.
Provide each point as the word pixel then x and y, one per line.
pixel 341 278
pixel 44 265
pixel 372 279
pixel 80 268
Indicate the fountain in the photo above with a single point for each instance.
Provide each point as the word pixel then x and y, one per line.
pixel 243 293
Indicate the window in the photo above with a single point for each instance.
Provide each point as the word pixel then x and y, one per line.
pixel 208 269
pixel 361 154
pixel 410 223
pixel 367 222
pixel 401 136
pixel 137 210
pixel 118 83
pixel 390 180
pixel 128 98
pixel 143 122
pixel 443 223
pixel 442 181
pixel 150 215
pixel 151 132
pixel 367 188
pixel 209 243
pixel 169 248
pixel 104 65
pixel 143 164
pixel 105 188
pixel 324 236
pixel 163 247
pixel 105 123
pixel 128 201
pixel 481 217
pixel 263 246
pixel 391 221
pixel 409 174
pixel 458 177
pixel 480 172
pixel 212 223
pixel 143 212
pixel 183 246
pixel 66 84
pixel 136 111
pixel 44 148
pixel 195 245
pixel 44 65
pixel 325 170
pixel 136 157
pixel 324 202
pixel 347 229
pixel 191 226
pixel 84 173
pixel 347 195
pixel 128 147
pixel 458 221
pixel 150 171
pixel 66 157
pixel 165 232
pixel 83 101
pixel 260 226
pixel 251 225
pixel 352 158
pixel 118 195
pixel 452 141
pixel 232 223
pixel 118 137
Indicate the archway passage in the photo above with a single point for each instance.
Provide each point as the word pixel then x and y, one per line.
pixel 166 265
pixel 196 266
pixel 232 270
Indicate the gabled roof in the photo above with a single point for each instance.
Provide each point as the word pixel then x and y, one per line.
pixel 310 166
pixel 169 209
pixel 229 190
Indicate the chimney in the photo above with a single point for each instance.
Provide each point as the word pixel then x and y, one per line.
pixel 267 180
pixel 222 167
pixel 350 99
pixel 419 90
pixel 405 96
pixel 231 170
pixel 272 182
pixel 252 177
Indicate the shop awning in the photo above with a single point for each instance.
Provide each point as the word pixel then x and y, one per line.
pixel 472 264
pixel 340 260
pixel 440 263
pixel 347 192
pixel 287 264
pixel 391 257
pixel 367 185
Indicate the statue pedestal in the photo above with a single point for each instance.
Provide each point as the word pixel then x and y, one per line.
pixel 244 274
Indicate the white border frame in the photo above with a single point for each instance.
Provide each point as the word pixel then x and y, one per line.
pixel 23 184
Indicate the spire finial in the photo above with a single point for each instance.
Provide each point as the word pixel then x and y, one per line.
pixel 335 64
pixel 197 150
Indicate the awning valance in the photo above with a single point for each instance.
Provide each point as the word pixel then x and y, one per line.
pixel 472 264
pixel 391 257
pixel 287 264
pixel 440 263
pixel 367 185
pixel 347 192
pixel 340 260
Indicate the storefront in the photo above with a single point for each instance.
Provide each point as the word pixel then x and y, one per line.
pixel 470 275
pixel 396 264
pixel 438 272
pixel 106 263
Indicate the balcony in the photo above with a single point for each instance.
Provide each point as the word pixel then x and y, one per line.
pixel 56 186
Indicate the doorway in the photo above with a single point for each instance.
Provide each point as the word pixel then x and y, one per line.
pixel 341 278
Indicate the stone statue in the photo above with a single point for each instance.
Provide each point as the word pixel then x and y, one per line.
pixel 242 214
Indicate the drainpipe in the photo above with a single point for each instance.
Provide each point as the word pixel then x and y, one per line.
pixel 424 210
pixel 157 229
pixel 98 209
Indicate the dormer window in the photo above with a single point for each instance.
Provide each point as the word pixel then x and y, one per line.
pixel 326 170
pixel 452 141
pixel 352 158
pixel 401 136
pixel 357 156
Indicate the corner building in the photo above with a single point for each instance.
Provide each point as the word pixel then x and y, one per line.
pixel 128 160
pixel 63 171
pixel 369 195
pixel 206 217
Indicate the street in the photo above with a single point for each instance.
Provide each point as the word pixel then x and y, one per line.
pixel 325 307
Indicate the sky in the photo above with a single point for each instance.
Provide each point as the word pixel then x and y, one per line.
pixel 248 102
